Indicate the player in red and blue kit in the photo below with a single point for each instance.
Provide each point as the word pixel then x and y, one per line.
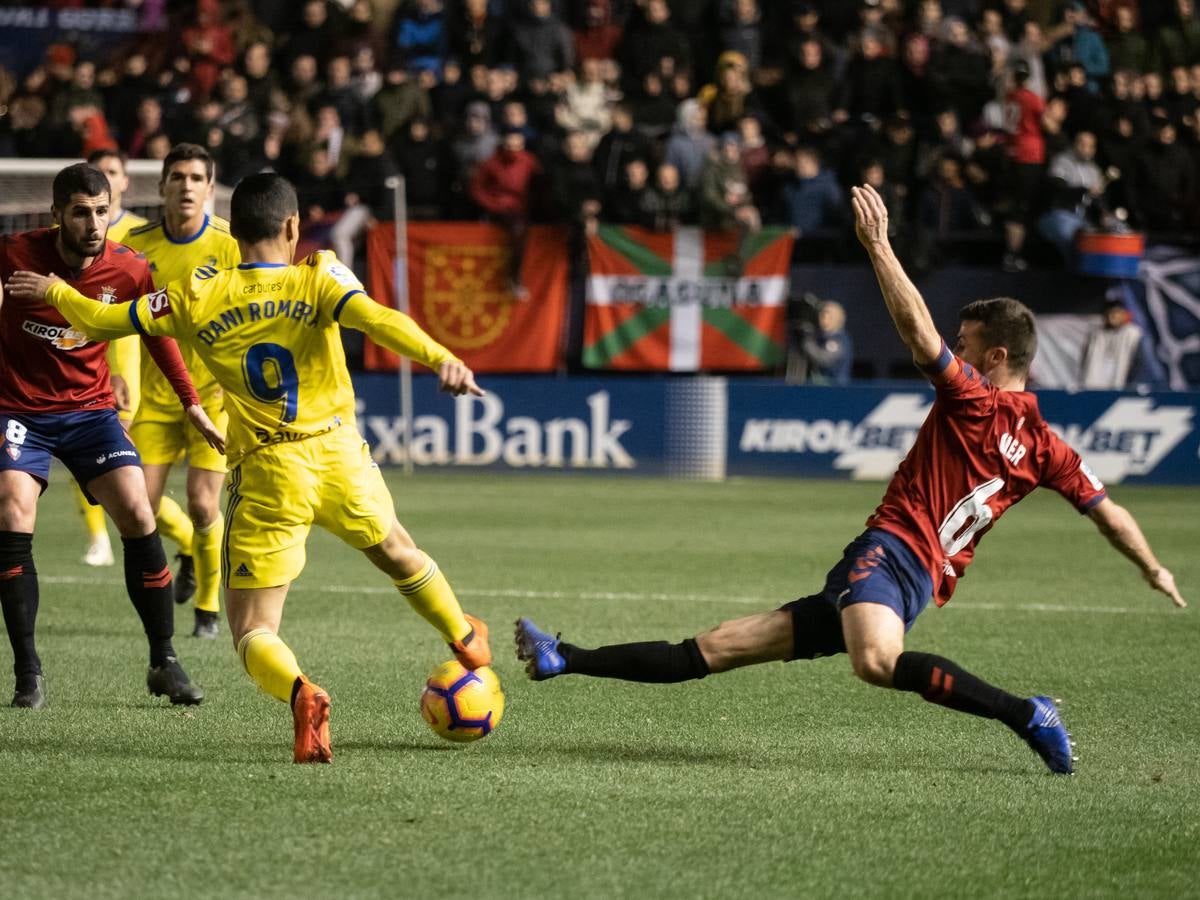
pixel 983 446
pixel 56 400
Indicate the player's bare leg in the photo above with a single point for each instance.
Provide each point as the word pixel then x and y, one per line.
pixel 122 493
pixel 204 509
pixel 173 525
pixel 19 492
pixel 254 615
pixel 763 637
pixel 874 636
pixel 418 578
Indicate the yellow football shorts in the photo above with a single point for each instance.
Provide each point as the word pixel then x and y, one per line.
pixel 164 437
pixel 278 493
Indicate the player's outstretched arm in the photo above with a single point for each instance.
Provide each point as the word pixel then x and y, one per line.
pixel 402 335
pixel 904 302
pixel 1118 525
pixel 99 321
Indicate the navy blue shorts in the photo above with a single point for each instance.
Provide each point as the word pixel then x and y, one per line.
pixel 89 443
pixel 876 567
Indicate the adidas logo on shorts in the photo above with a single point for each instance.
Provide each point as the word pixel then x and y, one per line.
pixel 242 571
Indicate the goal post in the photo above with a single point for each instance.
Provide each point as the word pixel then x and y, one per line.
pixel 25 191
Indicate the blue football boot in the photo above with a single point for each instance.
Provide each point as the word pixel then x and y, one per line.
pixel 1048 736
pixel 539 650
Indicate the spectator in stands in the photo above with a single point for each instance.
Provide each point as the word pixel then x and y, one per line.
pixel 1180 103
pixel 1128 48
pixel 825 349
pixel 813 202
pixel 690 142
pixel 756 155
pixel 421 160
pixel 476 36
pixel 449 97
pixel 730 96
pixel 668 205
pixel 574 187
pixel 1165 182
pixel 399 101
pixel 1111 350
pixel 654 110
pixel 421 33
pixel 80 92
pixel 1178 40
pixel 916 85
pixel 1077 183
pixel 599 34
pixel 209 46
pixel 261 81
pixel 947 140
pixel 946 205
pixel 318 188
pixel 340 93
pixel 304 86
pixel 315 36
pixel 741 30
pixel 1029 50
pixel 870 90
pixel 647 46
pixel 961 70
pixel 586 106
pixel 624 205
pixel 725 200
pixel 1027 153
pixel 540 45
pixel 619 147
pixel 501 186
pixel 1076 40
pixel 810 88
pixel 149 123
pixel 368 198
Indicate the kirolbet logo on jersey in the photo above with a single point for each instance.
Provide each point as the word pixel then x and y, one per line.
pixel 64 337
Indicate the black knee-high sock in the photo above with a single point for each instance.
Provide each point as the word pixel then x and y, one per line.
pixel 148 581
pixel 19 597
pixel 655 662
pixel 941 681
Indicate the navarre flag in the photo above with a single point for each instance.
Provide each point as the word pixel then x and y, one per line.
pixel 686 301
pixel 458 292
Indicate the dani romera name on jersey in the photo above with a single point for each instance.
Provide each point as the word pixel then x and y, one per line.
pixel 258 311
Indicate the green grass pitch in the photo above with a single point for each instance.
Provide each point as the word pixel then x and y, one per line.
pixel 776 781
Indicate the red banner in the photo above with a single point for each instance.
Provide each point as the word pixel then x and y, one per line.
pixel 458 292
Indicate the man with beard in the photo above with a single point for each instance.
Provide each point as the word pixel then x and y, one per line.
pixel 56 400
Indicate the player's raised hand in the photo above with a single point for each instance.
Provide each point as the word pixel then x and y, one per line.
pixel 30 285
pixel 1164 582
pixel 870 215
pixel 202 423
pixel 455 378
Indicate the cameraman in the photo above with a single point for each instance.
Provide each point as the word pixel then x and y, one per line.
pixel 821 350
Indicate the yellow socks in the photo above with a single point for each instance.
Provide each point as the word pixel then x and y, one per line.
pixel 430 594
pixel 174 525
pixel 93 516
pixel 270 662
pixel 206 548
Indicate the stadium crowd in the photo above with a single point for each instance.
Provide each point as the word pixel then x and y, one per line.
pixel 979 121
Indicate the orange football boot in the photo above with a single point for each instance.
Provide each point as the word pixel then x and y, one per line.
pixel 473 650
pixel 310 714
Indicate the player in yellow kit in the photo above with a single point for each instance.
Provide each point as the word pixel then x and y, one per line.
pixel 124 357
pixel 185 237
pixel 268 331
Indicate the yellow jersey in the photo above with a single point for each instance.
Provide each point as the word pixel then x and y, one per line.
pixel 174 259
pixel 269 333
pixel 124 356
pixel 119 228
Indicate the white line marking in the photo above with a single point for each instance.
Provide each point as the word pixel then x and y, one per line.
pixel 619 596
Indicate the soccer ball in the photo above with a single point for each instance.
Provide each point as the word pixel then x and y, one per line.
pixel 461 705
